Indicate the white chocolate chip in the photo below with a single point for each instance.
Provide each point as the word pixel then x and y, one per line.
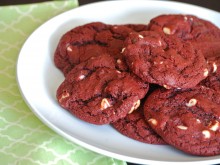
pixel 185 18
pixel 69 49
pixel 192 102
pixel 206 72
pixel 182 127
pixel 135 106
pixel 206 134
pixel 81 77
pixel 167 30
pixel 214 67
pixel 118 71
pixel 215 126
pixel 160 43
pixel 161 62
pixel 123 49
pixel 118 61
pixel 64 95
pixel 166 86
pixel 140 36
pixel 198 121
pixel 153 121
pixel 105 104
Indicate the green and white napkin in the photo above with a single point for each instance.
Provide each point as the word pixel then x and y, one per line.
pixel 25 140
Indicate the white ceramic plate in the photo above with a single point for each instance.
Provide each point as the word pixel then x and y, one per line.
pixel 38 79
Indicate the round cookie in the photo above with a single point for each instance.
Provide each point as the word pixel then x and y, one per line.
pixel 203 34
pixel 96 92
pixel 90 40
pixel 164 60
pixel 188 119
pixel 135 127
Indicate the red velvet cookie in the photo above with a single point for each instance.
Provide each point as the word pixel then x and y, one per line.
pixel 90 40
pixel 188 119
pixel 96 92
pixel 135 127
pixel 203 34
pixel 164 60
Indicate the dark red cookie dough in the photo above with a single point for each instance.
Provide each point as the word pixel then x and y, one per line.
pixel 135 127
pixel 90 40
pixel 164 60
pixel 188 120
pixel 96 92
pixel 212 82
pixel 203 34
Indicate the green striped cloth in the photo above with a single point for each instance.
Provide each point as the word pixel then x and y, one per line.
pixel 25 140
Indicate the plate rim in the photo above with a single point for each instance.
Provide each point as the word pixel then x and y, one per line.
pixel 78 141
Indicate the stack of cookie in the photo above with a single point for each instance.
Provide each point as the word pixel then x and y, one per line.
pixel 155 83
